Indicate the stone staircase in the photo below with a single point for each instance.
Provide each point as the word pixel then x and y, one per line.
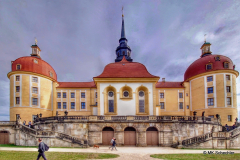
pixel 215 137
pixel 51 134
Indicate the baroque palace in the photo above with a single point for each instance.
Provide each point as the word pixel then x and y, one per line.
pixel 124 101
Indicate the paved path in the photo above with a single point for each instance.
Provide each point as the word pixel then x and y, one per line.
pixel 126 153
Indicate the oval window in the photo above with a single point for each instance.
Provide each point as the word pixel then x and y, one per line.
pixel 141 93
pixel 125 94
pixel 110 94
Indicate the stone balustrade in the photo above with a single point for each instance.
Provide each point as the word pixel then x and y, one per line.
pixel 7 123
pixel 195 119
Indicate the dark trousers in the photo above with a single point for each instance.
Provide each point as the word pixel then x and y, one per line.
pixel 41 154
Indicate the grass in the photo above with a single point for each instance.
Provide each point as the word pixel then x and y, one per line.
pixel 197 156
pixel 13 145
pixel 22 155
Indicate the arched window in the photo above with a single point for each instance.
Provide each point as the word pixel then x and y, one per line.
pixel 141 101
pixel 110 101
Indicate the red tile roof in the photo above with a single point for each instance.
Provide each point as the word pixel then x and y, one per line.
pixel 199 66
pixel 169 85
pixel 28 64
pixel 76 85
pixel 125 69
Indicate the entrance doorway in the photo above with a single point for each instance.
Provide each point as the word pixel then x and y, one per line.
pixel 107 135
pixel 4 137
pixel 130 136
pixel 152 136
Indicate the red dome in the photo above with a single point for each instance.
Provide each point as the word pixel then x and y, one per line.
pixel 40 67
pixel 199 66
pixel 125 69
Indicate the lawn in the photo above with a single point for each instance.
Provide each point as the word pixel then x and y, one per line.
pixel 197 156
pixel 22 155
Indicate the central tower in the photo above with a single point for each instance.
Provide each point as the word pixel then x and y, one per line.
pixel 123 49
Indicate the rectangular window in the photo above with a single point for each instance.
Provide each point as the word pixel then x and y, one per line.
pixel 83 105
pixel 141 105
pixel 59 105
pixel 228 77
pixel 226 65
pixel 187 106
pixel 35 79
pixel 35 90
pixel 209 66
pixel 228 100
pixel 34 101
pixel 210 102
pixel 162 105
pixel 82 94
pixel 180 105
pixel 64 105
pixel 229 118
pixel 58 94
pixel 17 100
pixel 96 95
pixel 161 95
pixel 18 66
pixel 210 78
pixel 180 95
pixel 72 105
pixel 211 116
pixel 64 95
pixel 186 94
pixel 17 88
pixel 17 78
pixel 228 88
pixel 72 95
pixel 210 90
pixel 96 103
pixel 111 106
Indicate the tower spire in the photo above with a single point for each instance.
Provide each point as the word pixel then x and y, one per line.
pixel 123 49
pixel 123 28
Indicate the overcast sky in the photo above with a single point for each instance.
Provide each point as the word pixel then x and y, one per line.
pixel 79 37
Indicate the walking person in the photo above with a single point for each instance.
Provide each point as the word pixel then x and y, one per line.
pixel 226 126
pixel 24 122
pixel 29 124
pixel 111 142
pixel 114 144
pixel 41 149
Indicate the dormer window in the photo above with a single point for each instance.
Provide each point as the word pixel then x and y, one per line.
pixel 226 65
pixel 217 58
pixel 209 66
pixel 51 74
pixel 36 61
pixel 18 66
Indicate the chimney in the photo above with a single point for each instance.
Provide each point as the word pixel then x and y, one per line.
pixel 163 79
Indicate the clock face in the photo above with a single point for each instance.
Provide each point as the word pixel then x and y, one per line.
pixel 110 94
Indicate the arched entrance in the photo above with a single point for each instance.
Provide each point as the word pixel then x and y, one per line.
pixel 152 136
pixel 4 137
pixel 129 136
pixel 107 135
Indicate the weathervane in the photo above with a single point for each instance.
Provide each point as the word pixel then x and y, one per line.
pixel 122 11
pixel 36 41
pixel 205 37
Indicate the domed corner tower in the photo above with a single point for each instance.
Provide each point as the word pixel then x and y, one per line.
pixel 212 80
pixel 32 87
